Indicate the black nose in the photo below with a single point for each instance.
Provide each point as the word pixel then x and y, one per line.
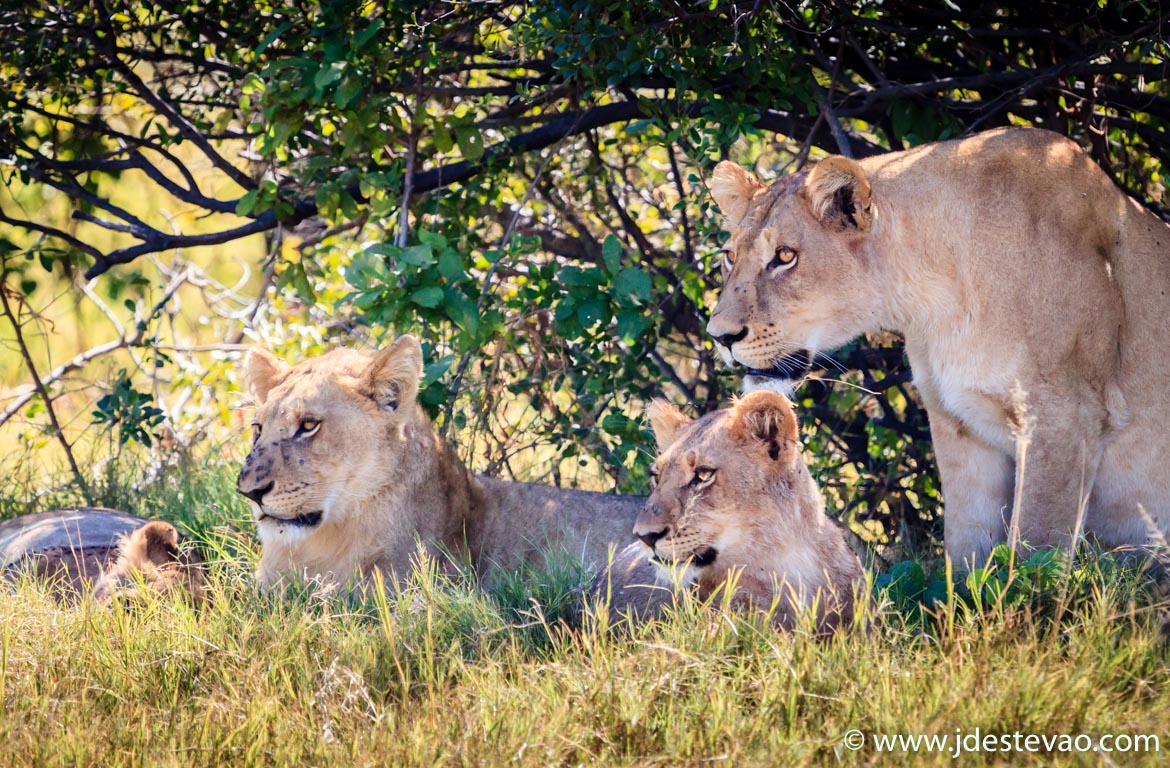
pixel 728 339
pixel 649 538
pixel 257 494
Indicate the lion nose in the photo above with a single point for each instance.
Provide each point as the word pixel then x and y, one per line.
pixel 650 537
pixel 728 339
pixel 257 494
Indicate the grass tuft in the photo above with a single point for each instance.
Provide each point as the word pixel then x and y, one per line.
pixel 444 672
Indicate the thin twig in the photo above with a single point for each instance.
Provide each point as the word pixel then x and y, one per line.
pixel 40 386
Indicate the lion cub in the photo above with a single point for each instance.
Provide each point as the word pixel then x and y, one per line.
pixel 111 551
pixel 150 558
pixel 732 494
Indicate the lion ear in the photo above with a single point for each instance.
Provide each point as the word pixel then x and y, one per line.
pixel 733 189
pixel 766 417
pixel 393 376
pixel 837 191
pixel 263 372
pixel 156 542
pixel 666 421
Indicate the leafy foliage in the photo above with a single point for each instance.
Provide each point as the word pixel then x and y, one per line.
pixel 522 184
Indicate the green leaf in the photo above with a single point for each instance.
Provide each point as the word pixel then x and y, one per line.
pixel 247 203
pixel 326 76
pixel 470 142
pixel 416 256
pixel 442 139
pixel 575 277
pixel 633 282
pixel 461 310
pixel 350 89
pixel 611 253
pixel 360 40
pixel 565 309
pixel 592 312
pixel 630 325
pixel 434 371
pixel 451 266
pixel 430 296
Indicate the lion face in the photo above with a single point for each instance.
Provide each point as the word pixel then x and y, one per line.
pixel 326 435
pixel 796 275
pixel 714 478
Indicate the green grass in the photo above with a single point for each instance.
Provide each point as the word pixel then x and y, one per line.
pixel 445 673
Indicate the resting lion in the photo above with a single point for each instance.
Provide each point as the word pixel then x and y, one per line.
pixel 732 494
pixel 1034 298
pixel 348 475
pixel 106 550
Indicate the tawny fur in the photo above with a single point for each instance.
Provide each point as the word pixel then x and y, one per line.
pixel 734 483
pixel 1034 298
pixel 150 560
pixel 384 482
pixel 76 549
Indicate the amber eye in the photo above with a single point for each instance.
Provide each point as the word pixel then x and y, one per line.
pixel 256 429
pixel 784 258
pixel 653 477
pixel 308 427
pixel 703 475
pixel 728 259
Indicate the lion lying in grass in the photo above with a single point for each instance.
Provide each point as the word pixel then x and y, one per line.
pixel 348 477
pixel 111 552
pixel 734 507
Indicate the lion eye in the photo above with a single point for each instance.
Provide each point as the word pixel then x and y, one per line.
pixel 784 258
pixel 308 427
pixel 728 259
pixel 703 475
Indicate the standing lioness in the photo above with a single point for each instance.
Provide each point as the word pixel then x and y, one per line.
pixel 1034 298
pixel 348 476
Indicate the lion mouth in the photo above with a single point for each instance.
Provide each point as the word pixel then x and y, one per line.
pixel 791 366
pixel 699 558
pixel 307 520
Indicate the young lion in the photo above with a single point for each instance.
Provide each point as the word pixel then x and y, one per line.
pixel 732 493
pixel 112 551
pixel 348 476
pixel 150 559
pixel 1034 297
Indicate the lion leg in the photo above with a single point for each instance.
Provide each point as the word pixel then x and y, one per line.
pixel 1057 457
pixel 977 484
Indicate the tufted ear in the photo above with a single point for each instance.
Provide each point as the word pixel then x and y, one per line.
pixel 666 421
pixel 393 376
pixel 733 189
pixel 766 417
pixel 837 191
pixel 264 372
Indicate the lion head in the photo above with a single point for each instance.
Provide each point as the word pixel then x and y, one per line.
pixel 151 559
pixel 717 481
pixel 796 277
pixel 331 435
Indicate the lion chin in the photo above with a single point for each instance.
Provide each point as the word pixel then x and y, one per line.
pixel 735 508
pixel 780 386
